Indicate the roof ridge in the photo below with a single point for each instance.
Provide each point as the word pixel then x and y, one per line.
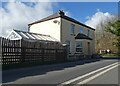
pixel 57 14
pixel 61 14
pixel 78 22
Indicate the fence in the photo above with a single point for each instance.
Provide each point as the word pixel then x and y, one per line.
pixel 20 51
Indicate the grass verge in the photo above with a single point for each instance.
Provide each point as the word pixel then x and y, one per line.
pixel 110 55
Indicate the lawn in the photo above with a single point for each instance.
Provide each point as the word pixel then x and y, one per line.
pixel 110 55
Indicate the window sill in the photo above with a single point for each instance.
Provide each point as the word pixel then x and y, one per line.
pixel 79 53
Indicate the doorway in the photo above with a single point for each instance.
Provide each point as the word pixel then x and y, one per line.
pixel 88 48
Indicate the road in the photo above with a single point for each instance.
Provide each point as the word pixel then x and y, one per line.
pixel 93 72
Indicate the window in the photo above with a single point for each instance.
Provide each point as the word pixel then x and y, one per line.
pixel 72 27
pixel 81 30
pixel 23 35
pixel 30 36
pixel 88 33
pixel 79 47
pixel 68 44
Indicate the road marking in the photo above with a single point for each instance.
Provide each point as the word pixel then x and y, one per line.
pixel 97 75
pixel 80 77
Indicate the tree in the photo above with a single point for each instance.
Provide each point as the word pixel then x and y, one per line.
pixel 104 39
pixel 114 28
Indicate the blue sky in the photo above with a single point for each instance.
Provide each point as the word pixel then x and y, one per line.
pixel 80 10
pixel 17 15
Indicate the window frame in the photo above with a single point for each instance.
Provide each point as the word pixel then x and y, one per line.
pixel 68 42
pixel 81 47
pixel 81 30
pixel 88 32
pixel 72 28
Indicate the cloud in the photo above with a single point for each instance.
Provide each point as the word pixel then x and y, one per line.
pixel 98 17
pixel 67 13
pixel 17 15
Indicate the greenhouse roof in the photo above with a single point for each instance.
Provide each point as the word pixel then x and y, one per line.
pixel 16 35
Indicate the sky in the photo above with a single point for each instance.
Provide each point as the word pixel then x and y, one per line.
pixel 80 10
pixel 17 15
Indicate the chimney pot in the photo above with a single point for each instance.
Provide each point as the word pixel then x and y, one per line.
pixel 61 12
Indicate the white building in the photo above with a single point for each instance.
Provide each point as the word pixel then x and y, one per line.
pixel 79 37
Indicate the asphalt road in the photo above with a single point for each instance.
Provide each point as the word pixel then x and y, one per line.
pixel 111 77
pixel 59 73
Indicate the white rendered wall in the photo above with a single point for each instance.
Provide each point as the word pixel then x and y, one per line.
pixel 48 28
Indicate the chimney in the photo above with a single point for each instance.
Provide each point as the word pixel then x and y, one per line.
pixel 61 12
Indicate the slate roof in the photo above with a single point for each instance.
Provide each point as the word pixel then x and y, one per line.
pixel 62 15
pixel 35 36
pixel 56 15
pixel 82 36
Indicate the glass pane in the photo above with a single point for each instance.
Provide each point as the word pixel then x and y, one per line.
pixel 72 28
pixel 88 32
pixel 29 35
pixel 40 37
pixel 23 35
pixel 81 30
pixel 36 36
pixel 78 49
pixel 78 44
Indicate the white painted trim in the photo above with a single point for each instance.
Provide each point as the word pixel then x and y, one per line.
pixel 16 34
pixel 9 34
pixel 79 47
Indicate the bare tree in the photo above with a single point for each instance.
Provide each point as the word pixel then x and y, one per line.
pixel 104 39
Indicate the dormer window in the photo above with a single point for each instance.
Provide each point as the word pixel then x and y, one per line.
pixel 72 27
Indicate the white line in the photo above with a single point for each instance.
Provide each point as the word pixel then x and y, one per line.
pixel 95 76
pixel 80 77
